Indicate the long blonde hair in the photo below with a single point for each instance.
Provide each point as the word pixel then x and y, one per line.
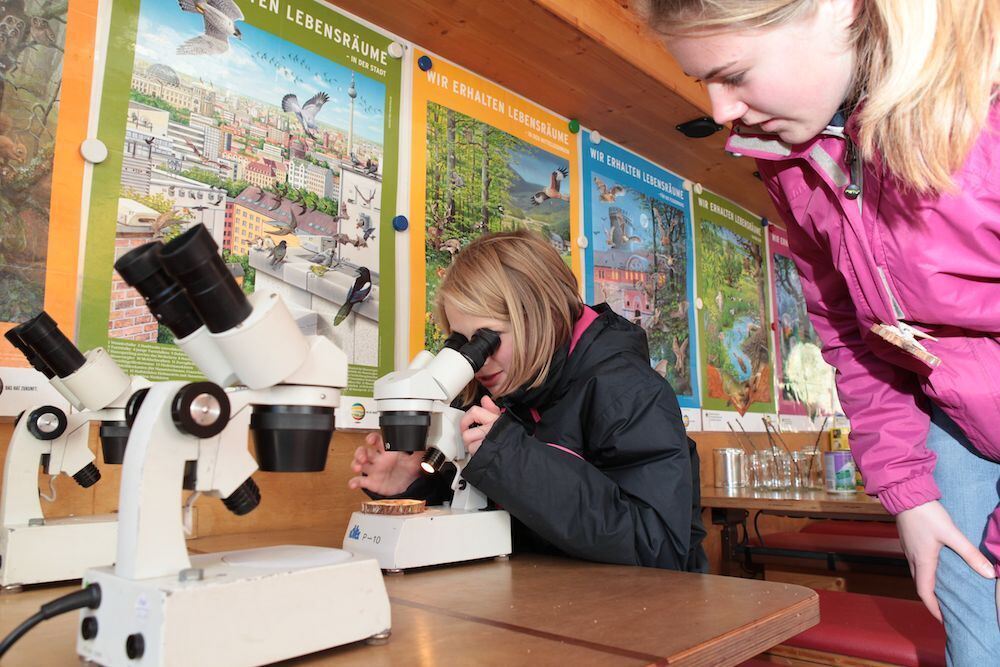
pixel 927 72
pixel 515 277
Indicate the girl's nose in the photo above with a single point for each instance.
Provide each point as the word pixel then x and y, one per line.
pixel 726 106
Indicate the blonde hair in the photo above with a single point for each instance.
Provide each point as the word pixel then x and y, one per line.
pixel 927 72
pixel 515 277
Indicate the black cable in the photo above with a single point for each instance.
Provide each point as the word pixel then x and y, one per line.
pixel 88 597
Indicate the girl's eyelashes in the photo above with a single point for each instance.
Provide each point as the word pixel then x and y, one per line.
pixel 734 79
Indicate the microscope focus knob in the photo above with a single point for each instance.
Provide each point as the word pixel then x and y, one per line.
pixel 200 409
pixel 47 422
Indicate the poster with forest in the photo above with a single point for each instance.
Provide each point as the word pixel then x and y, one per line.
pixel 805 381
pixel 279 133
pixel 483 160
pixel 639 257
pixel 46 62
pixel 734 314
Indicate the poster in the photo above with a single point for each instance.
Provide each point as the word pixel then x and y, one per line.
pixel 46 63
pixel 275 126
pixel 638 257
pixel 483 160
pixel 734 315
pixel 805 382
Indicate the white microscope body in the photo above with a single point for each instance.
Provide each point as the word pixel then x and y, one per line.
pixel 465 529
pixel 162 607
pixel 35 549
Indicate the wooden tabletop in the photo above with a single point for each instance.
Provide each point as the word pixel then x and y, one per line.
pixel 793 502
pixel 531 609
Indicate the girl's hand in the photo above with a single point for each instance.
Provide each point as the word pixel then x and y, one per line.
pixel 476 423
pixel 382 472
pixel 923 530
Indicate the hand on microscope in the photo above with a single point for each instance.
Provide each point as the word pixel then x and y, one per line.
pixel 382 472
pixel 477 422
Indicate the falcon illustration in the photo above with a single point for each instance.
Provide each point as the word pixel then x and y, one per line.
pixel 220 24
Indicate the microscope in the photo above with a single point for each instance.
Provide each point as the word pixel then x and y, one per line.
pixel 160 606
pixel 415 414
pixel 35 549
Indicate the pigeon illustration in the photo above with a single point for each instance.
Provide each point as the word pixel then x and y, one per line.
pixel 366 226
pixel 306 113
pixel 220 24
pixel 552 191
pixel 359 292
pixel 278 252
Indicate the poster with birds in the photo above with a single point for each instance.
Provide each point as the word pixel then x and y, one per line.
pixel 263 129
pixel 639 258
pixel 44 113
pixel 805 382
pixel 483 161
pixel 734 315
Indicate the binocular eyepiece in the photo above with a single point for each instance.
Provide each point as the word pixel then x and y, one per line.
pixel 45 347
pixel 185 283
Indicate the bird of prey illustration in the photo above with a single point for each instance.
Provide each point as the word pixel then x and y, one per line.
pixel 306 113
pixel 367 201
pixel 552 191
pixel 283 229
pixel 197 151
pixel 278 252
pixel 359 292
pixel 342 215
pixel 220 24
pixel 608 194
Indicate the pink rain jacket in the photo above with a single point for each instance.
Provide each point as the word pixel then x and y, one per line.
pixel 897 258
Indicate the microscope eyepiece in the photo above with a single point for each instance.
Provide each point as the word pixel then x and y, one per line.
pixel 56 351
pixel 193 259
pixel 14 337
pixel 483 343
pixel 142 268
pixel 455 341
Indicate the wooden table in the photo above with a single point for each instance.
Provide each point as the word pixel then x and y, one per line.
pixel 731 507
pixel 531 609
pixel 796 503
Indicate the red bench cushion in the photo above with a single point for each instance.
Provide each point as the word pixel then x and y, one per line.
pixel 885 547
pixel 860 528
pixel 872 627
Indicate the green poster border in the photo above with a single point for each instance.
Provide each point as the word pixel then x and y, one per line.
pixel 106 182
pixel 700 213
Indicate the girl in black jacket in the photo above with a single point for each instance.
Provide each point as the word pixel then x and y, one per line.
pixel 573 433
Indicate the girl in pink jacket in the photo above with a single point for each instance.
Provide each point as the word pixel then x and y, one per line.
pixel 876 128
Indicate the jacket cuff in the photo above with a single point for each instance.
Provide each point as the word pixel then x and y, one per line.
pixel 909 493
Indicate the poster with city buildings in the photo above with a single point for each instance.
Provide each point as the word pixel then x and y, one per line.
pixel 638 258
pixel 734 316
pixel 274 124
pixel 483 160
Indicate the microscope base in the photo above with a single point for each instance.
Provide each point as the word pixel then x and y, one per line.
pixel 57 550
pixel 239 609
pixel 434 537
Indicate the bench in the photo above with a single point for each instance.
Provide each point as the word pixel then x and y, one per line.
pixel 870 627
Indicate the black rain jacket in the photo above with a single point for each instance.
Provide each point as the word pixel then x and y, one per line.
pixel 626 491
